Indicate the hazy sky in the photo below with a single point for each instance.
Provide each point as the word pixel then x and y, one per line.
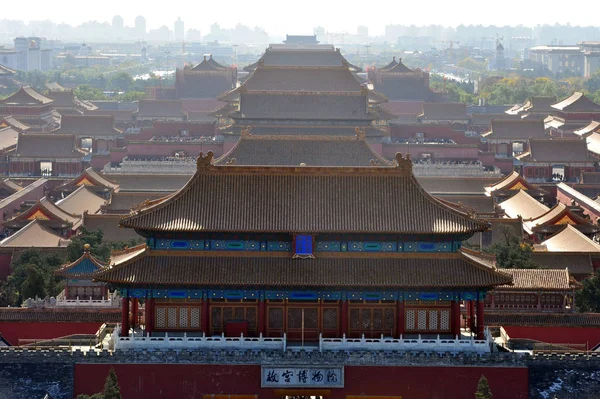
pixel 300 16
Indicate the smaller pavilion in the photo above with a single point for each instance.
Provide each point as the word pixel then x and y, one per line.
pixel 78 277
pixel 49 215
pixel 510 184
pixel 523 205
pixel 30 107
pixel 555 220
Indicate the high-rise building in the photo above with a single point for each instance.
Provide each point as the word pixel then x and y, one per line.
pixel 178 30
pixel 362 31
pixel 194 35
pixel 117 22
pixel 22 49
pixel 140 26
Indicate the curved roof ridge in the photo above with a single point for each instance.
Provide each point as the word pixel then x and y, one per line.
pixel 438 218
pixel 564 233
pixel 63 271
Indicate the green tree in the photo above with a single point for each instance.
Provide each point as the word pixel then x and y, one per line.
pixel 86 92
pixel 483 389
pixel 122 81
pixel 32 275
pixel 511 253
pixel 111 388
pixel 131 96
pixel 588 298
pixel 34 284
pixel 100 248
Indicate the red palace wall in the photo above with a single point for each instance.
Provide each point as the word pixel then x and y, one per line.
pixel 564 198
pixel 149 381
pixel 13 331
pixel 5 261
pixel 557 335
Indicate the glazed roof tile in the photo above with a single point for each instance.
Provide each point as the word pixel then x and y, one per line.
pixel 578 197
pixel 577 102
pixel 88 125
pixel 516 129
pixel 542 319
pixel 308 150
pixel 444 111
pixel 8 138
pixel 379 199
pixel 456 185
pixel 304 79
pixel 12 122
pixel 539 279
pixel 559 214
pixel 84 267
pixel 45 209
pixel 512 181
pixel 47 145
pixel 217 270
pixel 26 96
pixel 593 127
pixel 569 239
pixel 208 64
pixel 160 108
pixel 557 150
pixel 392 64
pixel 80 201
pixel 34 235
pixel 109 224
pixel 524 205
pixel 579 264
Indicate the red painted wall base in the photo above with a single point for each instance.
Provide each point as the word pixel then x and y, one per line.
pixel 149 381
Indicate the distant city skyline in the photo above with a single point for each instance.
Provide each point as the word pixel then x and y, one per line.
pixel 303 16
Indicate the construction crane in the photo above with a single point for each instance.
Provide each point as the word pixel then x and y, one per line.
pixel 450 44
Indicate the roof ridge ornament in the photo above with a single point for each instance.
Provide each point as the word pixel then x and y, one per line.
pixel 361 134
pixel 403 163
pixel 204 161
pixel 245 132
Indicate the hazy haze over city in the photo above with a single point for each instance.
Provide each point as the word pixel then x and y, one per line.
pixel 300 17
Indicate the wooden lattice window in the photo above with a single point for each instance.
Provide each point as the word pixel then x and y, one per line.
pixel 222 314
pixel 177 317
pixel 276 318
pixel 330 319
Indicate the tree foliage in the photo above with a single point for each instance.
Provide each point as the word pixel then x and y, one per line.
pixel 98 248
pixel 588 298
pixel 121 81
pixel 32 276
pixel 515 90
pixel 483 389
pixel 33 272
pixel 511 252
pixel 111 388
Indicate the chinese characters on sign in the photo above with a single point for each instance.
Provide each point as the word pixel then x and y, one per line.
pixel 296 377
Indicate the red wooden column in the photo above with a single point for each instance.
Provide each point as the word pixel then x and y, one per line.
pixel 134 312
pixel 262 315
pixel 480 318
pixel 471 317
pixel 125 317
pixel 400 312
pixel 204 316
pixel 149 315
pixel 455 318
pixel 344 317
